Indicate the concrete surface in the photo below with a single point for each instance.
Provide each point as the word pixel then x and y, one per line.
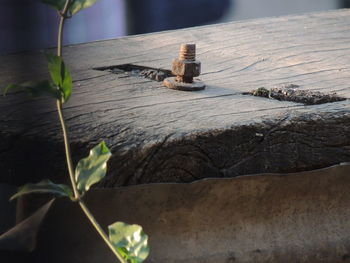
pixel 301 217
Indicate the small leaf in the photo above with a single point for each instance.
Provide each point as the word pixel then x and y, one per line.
pixel 45 186
pixel 57 4
pixel 55 68
pixel 93 168
pixel 78 5
pixel 130 241
pixel 60 76
pixel 11 87
pixel 36 88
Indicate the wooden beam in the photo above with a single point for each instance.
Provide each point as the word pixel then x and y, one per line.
pixel 162 135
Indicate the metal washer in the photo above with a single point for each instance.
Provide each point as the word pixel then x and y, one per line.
pixel 171 83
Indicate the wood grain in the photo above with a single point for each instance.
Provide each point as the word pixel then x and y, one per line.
pixel 162 135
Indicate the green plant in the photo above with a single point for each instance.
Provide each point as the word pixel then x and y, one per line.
pixel 127 242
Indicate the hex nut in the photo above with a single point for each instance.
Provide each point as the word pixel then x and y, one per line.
pixel 186 68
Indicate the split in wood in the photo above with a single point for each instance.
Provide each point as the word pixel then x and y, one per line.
pixel 128 70
pixel 185 68
pixel 292 92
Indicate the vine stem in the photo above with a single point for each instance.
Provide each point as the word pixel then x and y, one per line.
pixel 59 105
pixel 89 215
pixel 100 231
pixel 63 16
pixel 67 148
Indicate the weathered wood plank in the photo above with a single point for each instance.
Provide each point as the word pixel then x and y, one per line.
pixel 158 134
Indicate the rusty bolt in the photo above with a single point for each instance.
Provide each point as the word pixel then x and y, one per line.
pixel 186 67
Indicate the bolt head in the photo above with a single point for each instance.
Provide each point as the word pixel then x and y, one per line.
pixel 186 68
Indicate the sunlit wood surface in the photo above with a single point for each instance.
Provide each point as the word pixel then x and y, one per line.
pixel 162 135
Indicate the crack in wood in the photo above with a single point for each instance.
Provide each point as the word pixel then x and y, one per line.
pixel 144 164
pixel 128 70
pixel 292 93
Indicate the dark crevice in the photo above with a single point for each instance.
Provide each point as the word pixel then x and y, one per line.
pixel 293 93
pixel 128 70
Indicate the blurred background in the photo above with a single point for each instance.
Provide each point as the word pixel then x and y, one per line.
pixel 29 24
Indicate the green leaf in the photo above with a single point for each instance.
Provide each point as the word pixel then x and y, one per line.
pixel 55 68
pixel 36 88
pixel 80 4
pixel 93 168
pixel 60 76
pixel 57 4
pixel 130 241
pixel 45 186
pixel 75 6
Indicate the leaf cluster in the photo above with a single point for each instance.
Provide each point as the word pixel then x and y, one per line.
pixel 89 171
pixel 60 87
pixel 129 240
